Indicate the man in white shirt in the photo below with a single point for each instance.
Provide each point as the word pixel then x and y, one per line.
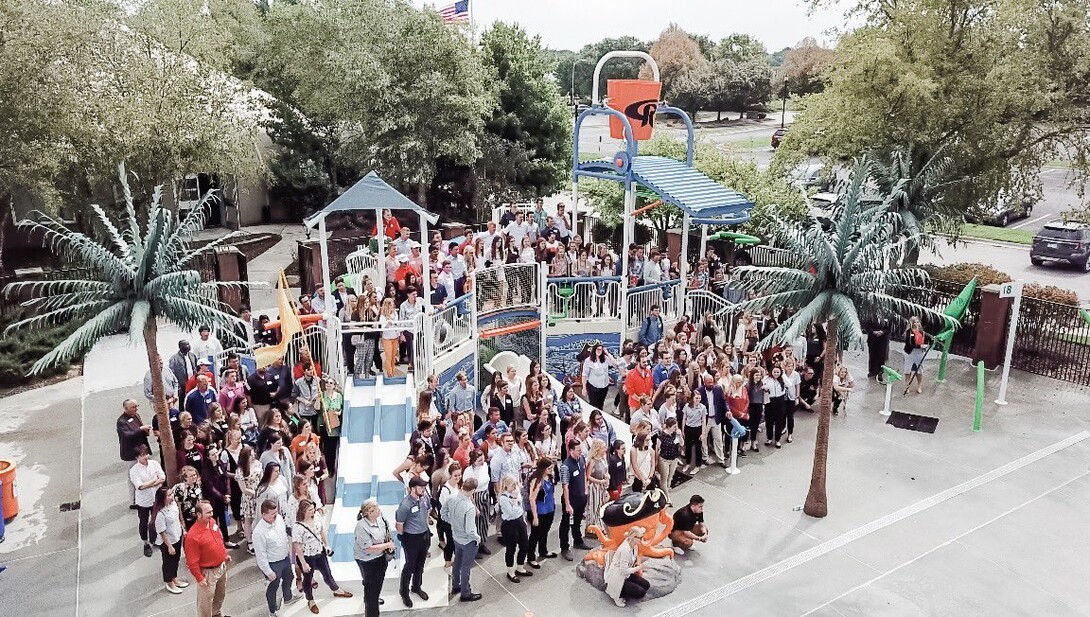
pixel 404 243
pixel 489 236
pixel 652 270
pixel 517 229
pixel 446 279
pixel 272 548
pixel 207 345
pixel 318 300
pixel 563 226
pixel 409 309
pixel 146 476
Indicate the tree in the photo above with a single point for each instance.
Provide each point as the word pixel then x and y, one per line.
pixel 773 197
pixel 385 86
pixel 527 151
pixel 736 85
pixel 740 48
pixel 804 67
pixel 586 59
pixel 913 182
pixel 138 273
pixel 1000 87
pixel 675 53
pixel 852 277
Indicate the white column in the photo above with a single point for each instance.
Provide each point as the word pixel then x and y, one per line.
pixel 629 229
pixel 333 341
pixel 683 262
pixel 1012 331
pixel 575 210
pixel 426 274
pixel 703 241
pixel 381 250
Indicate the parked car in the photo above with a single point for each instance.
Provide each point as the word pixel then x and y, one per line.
pixel 777 137
pixel 1062 242
pixel 1002 212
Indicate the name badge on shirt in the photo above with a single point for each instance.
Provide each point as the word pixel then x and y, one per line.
pixel 575 473
pixel 415 509
pixel 130 419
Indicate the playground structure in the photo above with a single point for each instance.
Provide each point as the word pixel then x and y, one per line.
pixel 509 315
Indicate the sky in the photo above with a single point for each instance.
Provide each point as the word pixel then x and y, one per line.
pixel 570 24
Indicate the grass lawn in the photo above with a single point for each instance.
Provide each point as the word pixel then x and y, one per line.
pixel 1002 234
pixel 750 144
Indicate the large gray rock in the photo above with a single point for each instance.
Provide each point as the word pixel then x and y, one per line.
pixel 664 575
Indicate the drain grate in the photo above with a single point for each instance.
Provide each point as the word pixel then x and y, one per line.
pixel 912 422
pixel 69 506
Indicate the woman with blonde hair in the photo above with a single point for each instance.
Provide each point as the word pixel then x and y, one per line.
pixel 513 527
pixel 390 337
pixel 597 482
pixel 623 581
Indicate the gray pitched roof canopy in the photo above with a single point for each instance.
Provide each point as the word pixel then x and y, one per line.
pixel 370 193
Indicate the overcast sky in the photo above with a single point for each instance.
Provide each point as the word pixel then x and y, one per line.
pixel 570 24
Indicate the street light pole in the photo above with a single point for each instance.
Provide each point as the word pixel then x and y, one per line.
pixel 783 111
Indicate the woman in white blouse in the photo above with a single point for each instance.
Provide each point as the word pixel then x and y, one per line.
pixel 311 546
pixel 596 375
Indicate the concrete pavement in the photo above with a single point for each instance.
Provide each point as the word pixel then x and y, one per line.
pixel 954 522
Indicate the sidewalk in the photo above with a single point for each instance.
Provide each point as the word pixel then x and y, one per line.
pixel 267 266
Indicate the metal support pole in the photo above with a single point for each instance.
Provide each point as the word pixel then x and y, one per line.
pixel 425 276
pixel 683 261
pixel 889 398
pixel 575 209
pixel 629 232
pixel 733 469
pixel 333 343
pixel 1011 332
pixel 381 251
pixel 543 310
pixel 978 413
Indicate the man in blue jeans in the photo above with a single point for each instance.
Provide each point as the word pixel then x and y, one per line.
pixel 460 512
pixel 272 550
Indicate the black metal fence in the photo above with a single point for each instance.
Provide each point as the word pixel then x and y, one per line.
pixel 1052 340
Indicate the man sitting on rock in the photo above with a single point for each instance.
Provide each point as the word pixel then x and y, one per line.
pixel 689 525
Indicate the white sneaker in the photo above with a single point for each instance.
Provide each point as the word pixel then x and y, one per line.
pixel 619 602
pixel 173 589
pixel 182 584
pixel 678 550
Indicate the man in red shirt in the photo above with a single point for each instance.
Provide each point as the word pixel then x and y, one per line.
pixel 207 559
pixel 391 227
pixel 639 382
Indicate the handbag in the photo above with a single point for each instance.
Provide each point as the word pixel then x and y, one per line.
pixel 328 551
pixel 331 417
pixel 389 552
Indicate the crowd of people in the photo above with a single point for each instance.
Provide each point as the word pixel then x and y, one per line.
pixel 501 465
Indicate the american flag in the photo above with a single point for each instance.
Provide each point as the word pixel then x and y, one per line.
pixel 454 13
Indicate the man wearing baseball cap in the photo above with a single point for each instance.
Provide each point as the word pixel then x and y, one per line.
pixel 412 530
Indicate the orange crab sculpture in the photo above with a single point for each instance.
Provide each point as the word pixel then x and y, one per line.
pixel 647 510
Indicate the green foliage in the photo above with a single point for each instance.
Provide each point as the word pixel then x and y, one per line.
pixel 527 148
pixel 999 87
pixel 772 195
pixel 585 59
pixel 138 272
pixel 109 86
pixel 382 85
pixel 853 275
pixel 19 351
pixel 1002 234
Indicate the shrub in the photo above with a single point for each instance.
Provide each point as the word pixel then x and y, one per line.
pixel 19 350
pixel 1051 293
pixel 962 273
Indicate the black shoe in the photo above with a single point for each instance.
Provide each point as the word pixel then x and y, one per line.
pixel 132 506
pixel 533 564
pixel 523 573
pixel 741 452
pixel 484 549
pixel 567 554
pixel 147 550
pixel 454 591
pixel 420 592
pixel 407 600
pixel 550 555
pixel 473 597
pixel 582 546
pixel 513 578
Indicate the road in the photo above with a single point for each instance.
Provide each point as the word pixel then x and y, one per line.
pixel 1057 196
pixel 594 134
pixel 1014 260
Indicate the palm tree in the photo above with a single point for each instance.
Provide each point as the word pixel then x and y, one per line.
pixel 914 181
pixel 137 273
pixel 853 273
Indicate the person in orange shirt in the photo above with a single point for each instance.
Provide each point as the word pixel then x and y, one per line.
pixel 300 441
pixel 639 382
pixel 204 367
pixel 390 226
pixel 207 559
pixel 304 360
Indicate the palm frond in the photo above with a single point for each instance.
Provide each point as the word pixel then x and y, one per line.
pixel 815 311
pixel 772 279
pixel 105 323
pixel 75 247
pixel 133 233
pixel 138 320
pixel 56 316
pixel 112 234
pixel 49 288
pixel 850 329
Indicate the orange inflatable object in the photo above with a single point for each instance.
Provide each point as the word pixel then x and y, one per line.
pixel 638 99
pixel 7 488
pixel 647 510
